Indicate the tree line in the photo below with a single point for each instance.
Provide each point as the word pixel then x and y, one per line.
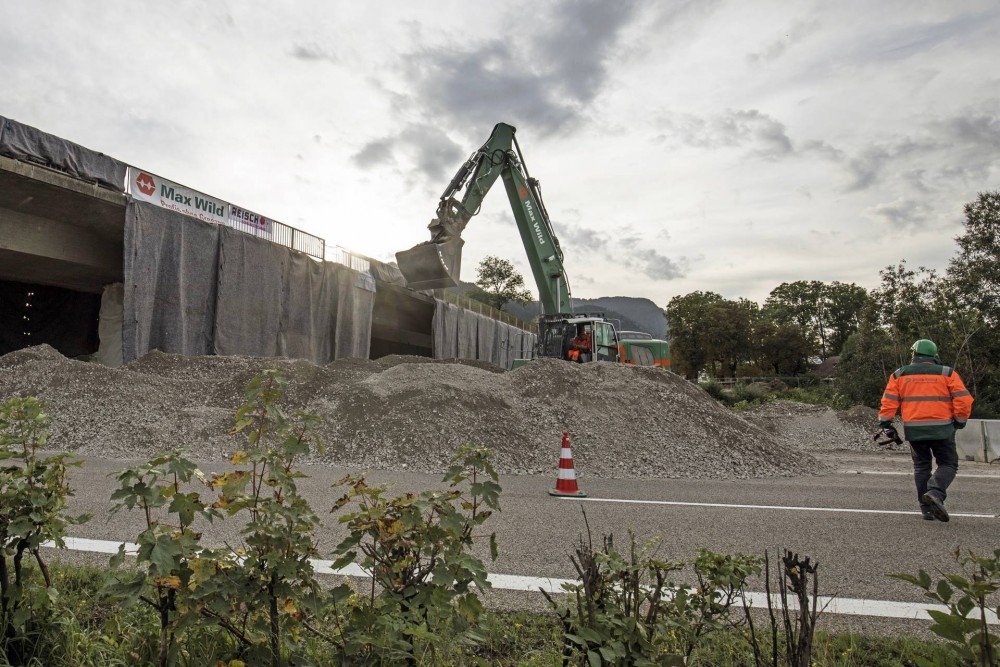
pixel 867 332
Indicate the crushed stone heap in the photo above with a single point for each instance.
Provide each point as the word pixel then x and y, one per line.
pixel 817 428
pixel 409 412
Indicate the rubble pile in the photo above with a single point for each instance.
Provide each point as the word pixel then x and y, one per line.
pixel 410 412
pixel 816 428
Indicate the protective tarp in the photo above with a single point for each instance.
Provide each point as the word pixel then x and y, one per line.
pixel 307 311
pixel 486 339
pixel 251 282
pixel 467 336
pixel 109 328
pixel 508 345
pixel 444 330
pixel 387 273
pixel 25 143
pixel 355 303
pixel 33 314
pixel 527 347
pixel 171 266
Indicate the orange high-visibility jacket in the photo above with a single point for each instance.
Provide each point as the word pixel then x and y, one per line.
pixel 930 398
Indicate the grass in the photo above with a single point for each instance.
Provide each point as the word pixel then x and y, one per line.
pixel 85 630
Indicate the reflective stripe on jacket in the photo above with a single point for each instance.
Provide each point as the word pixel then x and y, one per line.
pixel 929 397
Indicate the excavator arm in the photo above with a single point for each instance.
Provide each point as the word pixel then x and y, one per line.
pixel 436 263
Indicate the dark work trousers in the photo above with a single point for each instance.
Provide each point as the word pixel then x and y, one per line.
pixel 946 455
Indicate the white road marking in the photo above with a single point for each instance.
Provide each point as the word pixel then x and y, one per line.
pixel 769 507
pixel 512 582
pixel 909 474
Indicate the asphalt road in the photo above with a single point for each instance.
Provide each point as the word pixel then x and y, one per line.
pixel 858 523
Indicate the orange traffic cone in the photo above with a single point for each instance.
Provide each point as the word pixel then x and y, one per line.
pixel 566 482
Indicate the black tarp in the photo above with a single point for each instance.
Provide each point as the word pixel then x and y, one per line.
pixel 387 273
pixel 25 143
pixel 171 266
pixel 275 302
pixel 464 334
pixel 355 292
pixel 35 314
pixel 307 311
pixel 251 282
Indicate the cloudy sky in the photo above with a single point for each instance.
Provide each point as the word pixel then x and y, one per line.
pixel 724 145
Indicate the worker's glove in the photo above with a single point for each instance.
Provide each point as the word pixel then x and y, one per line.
pixel 957 424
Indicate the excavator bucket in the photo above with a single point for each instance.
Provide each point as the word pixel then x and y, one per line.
pixel 432 265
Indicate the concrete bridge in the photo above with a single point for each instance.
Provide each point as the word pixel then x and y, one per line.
pixel 106 261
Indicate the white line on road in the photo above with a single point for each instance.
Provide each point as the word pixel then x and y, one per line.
pixel 908 474
pixel 767 507
pixel 511 582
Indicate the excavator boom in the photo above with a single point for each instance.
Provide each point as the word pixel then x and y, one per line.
pixel 437 263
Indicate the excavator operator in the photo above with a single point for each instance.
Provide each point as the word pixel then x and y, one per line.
pixel 579 347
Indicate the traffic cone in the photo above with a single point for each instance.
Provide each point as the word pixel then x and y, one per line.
pixel 566 482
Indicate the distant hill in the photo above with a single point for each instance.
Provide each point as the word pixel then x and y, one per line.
pixel 640 314
pixel 628 313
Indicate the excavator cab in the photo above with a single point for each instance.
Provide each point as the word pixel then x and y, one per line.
pixel 557 332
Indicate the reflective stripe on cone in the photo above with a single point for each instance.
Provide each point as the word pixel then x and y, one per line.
pixel 566 481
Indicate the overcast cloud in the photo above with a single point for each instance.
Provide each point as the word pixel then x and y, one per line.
pixel 682 145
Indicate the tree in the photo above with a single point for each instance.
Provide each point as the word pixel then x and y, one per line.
pixel 976 270
pixel 829 312
pixel 690 328
pixel 844 305
pixel 729 336
pixel 782 349
pixel 498 283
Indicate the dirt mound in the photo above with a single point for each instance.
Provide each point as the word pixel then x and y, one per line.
pixel 410 412
pixel 817 428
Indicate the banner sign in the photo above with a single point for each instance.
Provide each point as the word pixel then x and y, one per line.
pixel 146 187
pixel 248 221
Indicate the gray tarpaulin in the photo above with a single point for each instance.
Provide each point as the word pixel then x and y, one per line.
pixel 486 339
pixel 467 334
pixel 25 143
pixel 276 302
pixel 307 311
pixel 525 344
pixel 109 326
pixel 508 342
pixel 444 330
pixel 251 279
pixel 387 273
pixel 464 334
pixel 171 262
pixel 355 302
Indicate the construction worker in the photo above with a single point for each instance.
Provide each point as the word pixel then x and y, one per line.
pixel 579 347
pixel 933 402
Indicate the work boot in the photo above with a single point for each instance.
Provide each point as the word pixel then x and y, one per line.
pixel 927 515
pixel 936 507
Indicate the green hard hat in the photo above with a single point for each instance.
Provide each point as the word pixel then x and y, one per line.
pixel 925 347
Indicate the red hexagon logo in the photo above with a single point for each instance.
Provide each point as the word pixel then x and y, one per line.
pixel 145 183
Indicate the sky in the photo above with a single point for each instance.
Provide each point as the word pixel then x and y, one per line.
pixel 681 145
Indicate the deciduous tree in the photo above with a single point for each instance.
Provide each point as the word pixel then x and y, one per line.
pixel 498 283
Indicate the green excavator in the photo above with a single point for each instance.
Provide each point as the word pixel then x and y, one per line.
pixel 436 264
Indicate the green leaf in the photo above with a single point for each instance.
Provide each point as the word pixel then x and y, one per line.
pixel 944 591
pixel 947 626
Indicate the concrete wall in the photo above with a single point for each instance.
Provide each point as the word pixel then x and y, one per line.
pixel 979 440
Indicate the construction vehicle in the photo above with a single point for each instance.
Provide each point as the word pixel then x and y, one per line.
pixel 436 264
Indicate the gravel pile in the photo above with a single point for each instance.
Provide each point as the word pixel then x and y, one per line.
pixel 817 428
pixel 410 412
